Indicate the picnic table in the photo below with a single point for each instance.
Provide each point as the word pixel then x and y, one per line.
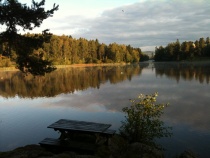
pixel 79 134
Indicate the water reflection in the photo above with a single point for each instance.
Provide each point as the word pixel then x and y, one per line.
pixel 100 93
pixel 69 80
pixel 66 80
pixel 200 71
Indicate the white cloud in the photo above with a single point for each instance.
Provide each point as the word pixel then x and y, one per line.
pixel 150 23
pixel 143 23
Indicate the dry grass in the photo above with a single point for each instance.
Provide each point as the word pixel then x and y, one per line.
pixel 13 68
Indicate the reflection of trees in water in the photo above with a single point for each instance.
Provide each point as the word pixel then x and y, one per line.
pixel 186 71
pixel 66 80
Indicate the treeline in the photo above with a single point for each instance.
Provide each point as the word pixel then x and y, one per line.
pixel 68 50
pixel 177 51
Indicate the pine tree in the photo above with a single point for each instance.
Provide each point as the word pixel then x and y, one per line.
pixel 27 18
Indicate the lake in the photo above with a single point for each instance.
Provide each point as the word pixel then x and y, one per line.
pixel 29 104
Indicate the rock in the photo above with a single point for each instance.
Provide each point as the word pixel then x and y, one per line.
pixel 32 151
pixel 188 154
pixel 120 148
pixel 36 151
pixel 146 151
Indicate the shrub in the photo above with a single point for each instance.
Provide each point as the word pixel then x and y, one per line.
pixel 143 122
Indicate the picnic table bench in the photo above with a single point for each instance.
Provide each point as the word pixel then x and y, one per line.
pixel 79 135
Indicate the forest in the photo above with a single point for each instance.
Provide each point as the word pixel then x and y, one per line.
pixel 65 50
pixel 177 51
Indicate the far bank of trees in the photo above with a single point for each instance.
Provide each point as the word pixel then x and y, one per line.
pixel 177 51
pixel 68 50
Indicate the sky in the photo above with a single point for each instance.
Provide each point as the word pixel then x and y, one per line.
pixel 140 23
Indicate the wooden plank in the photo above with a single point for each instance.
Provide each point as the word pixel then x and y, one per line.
pixel 73 125
pixel 109 132
pixel 50 142
pixel 68 144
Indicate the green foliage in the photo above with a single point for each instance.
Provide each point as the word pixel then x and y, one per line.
pixel 143 122
pixel 67 50
pixel 144 57
pixel 5 62
pixel 27 18
pixel 184 51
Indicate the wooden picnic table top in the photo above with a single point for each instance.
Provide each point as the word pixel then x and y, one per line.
pixel 80 126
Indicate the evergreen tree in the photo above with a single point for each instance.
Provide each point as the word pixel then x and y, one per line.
pixel 27 18
pixel 101 52
pixel 186 50
pixel 202 43
pixel 206 50
pixel 177 50
pixel 207 40
pixel 185 47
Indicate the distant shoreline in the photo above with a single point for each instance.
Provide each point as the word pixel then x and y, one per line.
pixel 90 65
pixel 12 68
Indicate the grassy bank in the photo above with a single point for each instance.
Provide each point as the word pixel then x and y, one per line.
pixel 13 68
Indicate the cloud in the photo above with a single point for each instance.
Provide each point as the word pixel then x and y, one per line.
pixel 145 24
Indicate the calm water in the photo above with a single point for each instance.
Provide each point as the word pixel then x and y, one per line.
pixel 28 105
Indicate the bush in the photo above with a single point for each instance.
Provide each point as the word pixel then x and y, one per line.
pixel 142 122
pixel 5 62
pixel 108 61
